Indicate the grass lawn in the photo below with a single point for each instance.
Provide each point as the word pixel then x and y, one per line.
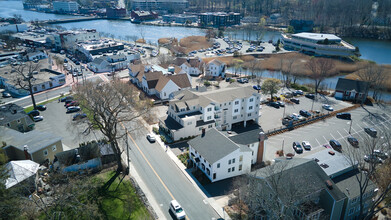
pixel 28 109
pixel 122 202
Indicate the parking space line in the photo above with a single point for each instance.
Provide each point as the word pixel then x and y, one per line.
pixel 340 134
pixel 366 124
pixel 358 133
pixel 318 142
pixel 333 136
pixel 325 139
pixel 360 127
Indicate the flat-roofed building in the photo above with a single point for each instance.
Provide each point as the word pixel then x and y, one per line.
pixel 160 5
pixel 65 6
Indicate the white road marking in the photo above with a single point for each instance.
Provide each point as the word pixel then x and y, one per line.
pixel 318 142
pixel 340 134
pixel 206 202
pixel 333 136
pixel 326 140
pixel 358 133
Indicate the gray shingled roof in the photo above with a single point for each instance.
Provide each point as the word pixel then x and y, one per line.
pixel 214 145
pixel 248 137
pixel 11 112
pixel 348 184
pixel 349 85
pixel 299 172
pixel 35 140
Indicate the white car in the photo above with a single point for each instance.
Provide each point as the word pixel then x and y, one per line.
pixel 306 145
pixel 327 107
pixel 297 117
pixel 38 118
pixel 151 138
pixel 177 210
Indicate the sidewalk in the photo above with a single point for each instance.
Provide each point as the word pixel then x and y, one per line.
pixel 215 205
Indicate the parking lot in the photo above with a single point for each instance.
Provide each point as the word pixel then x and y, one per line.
pixel 272 117
pixel 322 132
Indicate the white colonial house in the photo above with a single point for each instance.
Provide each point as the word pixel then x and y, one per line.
pixel 109 63
pixel 36 55
pixel 192 111
pixel 215 68
pixel 193 67
pixel 219 157
pixel 318 44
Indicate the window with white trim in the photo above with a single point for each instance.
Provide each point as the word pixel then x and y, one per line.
pixel 236 110
pixel 54 148
pixel 233 169
pixel 229 161
pixel 240 167
pixel 45 152
pixel 209 109
pixel 236 102
pixel 209 117
pixel 250 108
pixel 229 170
pixel 251 100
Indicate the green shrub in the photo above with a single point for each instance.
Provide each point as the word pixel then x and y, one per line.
pixel 155 130
pixel 207 83
pixel 183 158
pixel 163 139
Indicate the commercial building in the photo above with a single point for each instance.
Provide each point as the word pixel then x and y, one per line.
pixel 180 18
pixel 139 16
pixel 116 12
pixel 34 145
pixel 32 38
pixel 193 111
pixel 351 90
pixel 69 39
pixel 98 47
pixel 6 27
pixel 109 63
pixel 219 19
pixel 160 5
pixel 62 6
pixel 13 116
pixel 318 44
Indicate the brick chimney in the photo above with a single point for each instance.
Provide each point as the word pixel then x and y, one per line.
pixel 261 146
pixel 26 153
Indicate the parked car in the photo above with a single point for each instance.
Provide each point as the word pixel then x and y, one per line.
pixel 228 79
pixel 41 107
pixel 379 153
pixel 288 94
pixel 297 147
pixel 72 103
pixel 78 116
pixel 306 145
pixel 274 104
pixel 6 95
pixel 327 146
pixel 151 138
pixel 335 145
pixel 305 113
pixel 327 107
pixel 297 117
pixel 63 99
pixel 310 96
pixel 257 87
pixel 344 115
pixel 65 61
pixel 294 100
pixel 33 113
pixel 72 109
pixel 371 158
pixel 177 210
pixel 37 118
pixel 243 80
pixel 371 131
pixel 67 102
pixel 353 141
pixel 298 92
pixel 282 104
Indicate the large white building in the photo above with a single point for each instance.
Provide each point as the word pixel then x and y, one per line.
pixel 68 40
pixel 215 68
pixel 61 6
pixel 318 44
pixel 160 5
pixel 192 111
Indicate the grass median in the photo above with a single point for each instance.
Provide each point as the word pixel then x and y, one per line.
pixel 29 109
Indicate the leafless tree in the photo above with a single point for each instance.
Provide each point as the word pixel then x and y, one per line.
pixel 375 75
pixel 287 64
pixel 320 69
pixel 372 170
pixel 25 77
pixel 110 107
pixel 165 59
pixel 141 31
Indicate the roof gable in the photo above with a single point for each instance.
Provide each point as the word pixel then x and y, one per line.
pixel 350 84
pixel 181 80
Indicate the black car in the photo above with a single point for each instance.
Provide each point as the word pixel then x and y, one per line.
pixel 63 99
pixel 335 145
pixel 297 147
pixel 68 101
pixel 274 104
pixel 65 61
pixel 227 79
pixel 6 95
pixel 353 141
pixel 79 116
pixel 41 107
pixel 371 131
pixel 33 113
pixel 305 113
pixel 344 115
pixel 310 96
pixel 297 101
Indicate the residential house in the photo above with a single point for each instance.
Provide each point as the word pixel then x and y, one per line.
pixel 215 68
pixel 21 171
pixel 219 157
pixel 169 84
pixel 13 116
pixel 36 55
pixel 35 145
pixel 116 12
pixel 349 185
pixel 109 63
pixel 300 186
pixel 136 71
pixel 193 67
pixel 191 111
pixel 351 90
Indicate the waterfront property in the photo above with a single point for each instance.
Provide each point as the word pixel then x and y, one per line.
pixel 180 18
pixel 351 90
pixel 44 79
pixel 34 145
pixel 6 27
pixel 69 39
pixel 164 6
pixel 32 38
pixel 194 66
pixel 116 12
pixel 65 6
pixel 139 16
pixel 219 19
pixel 318 44
pixel 109 63
pixel 13 116
pixel 192 111
pixel 98 47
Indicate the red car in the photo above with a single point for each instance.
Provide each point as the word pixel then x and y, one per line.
pixel 73 103
pixel 327 146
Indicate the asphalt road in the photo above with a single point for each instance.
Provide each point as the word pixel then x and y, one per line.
pixel 164 179
pixel 322 132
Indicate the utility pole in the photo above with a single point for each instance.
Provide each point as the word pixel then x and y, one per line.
pixel 351 122
pixel 127 151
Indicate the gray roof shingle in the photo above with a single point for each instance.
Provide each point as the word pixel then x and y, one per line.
pixel 350 84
